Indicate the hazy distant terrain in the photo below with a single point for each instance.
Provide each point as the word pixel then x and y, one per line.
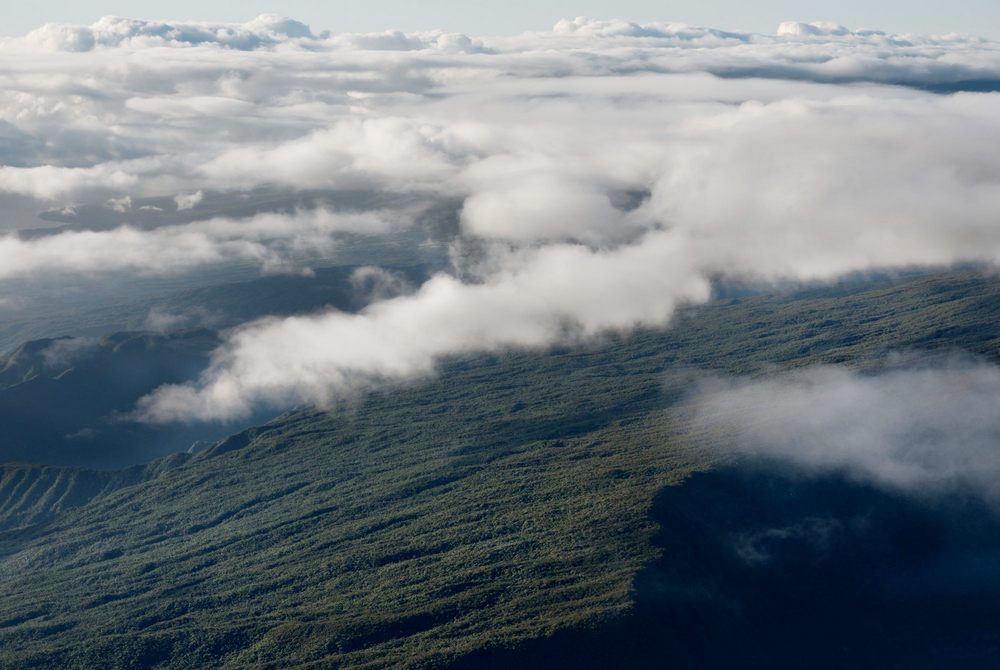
pixel 95 382
pixel 224 295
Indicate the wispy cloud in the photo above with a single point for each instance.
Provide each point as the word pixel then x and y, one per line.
pixel 930 428
pixel 274 241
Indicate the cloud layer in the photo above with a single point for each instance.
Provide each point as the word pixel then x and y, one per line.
pixel 557 292
pixel 604 169
pixel 112 31
pixel 273 241
pixel 926 429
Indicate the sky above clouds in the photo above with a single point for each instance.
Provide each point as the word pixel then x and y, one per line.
pixel 601 172
pixel 979 17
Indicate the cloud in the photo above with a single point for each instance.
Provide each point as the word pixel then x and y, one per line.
pixel 64 352
pixel 394 152
pixel 374 283
pixel 217 106
pixel 582 26
pixel 277 242
pixel 930 428
pixel 630 157
pixel 539 296
pixel 534 206
pixel 51 181
pixel 815 29
pixel 395 40
pixel 120 205
pixel 817 189
pixel 114 31
pixel 267 31
pixel 186 201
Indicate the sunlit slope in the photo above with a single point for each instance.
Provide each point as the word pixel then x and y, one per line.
pixel 503 501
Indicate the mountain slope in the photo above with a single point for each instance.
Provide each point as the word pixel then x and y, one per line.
pixel 33 494
pixel 92 383
pixel 764 568
pixel 503 502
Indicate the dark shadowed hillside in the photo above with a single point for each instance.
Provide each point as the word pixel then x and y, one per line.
pixel 94 384
pixel 765 568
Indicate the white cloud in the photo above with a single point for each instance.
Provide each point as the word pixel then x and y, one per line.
pixel 180 113
pixel 924 429
pixel 817 189
pixel 186 201
pixel 539 296
pixel 395 40
pixel 533 206
pixel 120 205
pixel 164 321
pixel 374 283
pixel 114 31
pixel 814 29
pixel 790 156
pixel 393 152
pixel 274 241
pixel 582 26
pixel 48 182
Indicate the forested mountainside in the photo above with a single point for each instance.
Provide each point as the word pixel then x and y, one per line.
pixel 513 508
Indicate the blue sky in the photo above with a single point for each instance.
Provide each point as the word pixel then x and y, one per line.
pixel 482 17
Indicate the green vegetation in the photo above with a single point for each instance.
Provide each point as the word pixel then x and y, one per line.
pixel 503 501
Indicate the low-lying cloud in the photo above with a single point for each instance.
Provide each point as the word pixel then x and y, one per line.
pixel 276 242
pixel 539 296
pixel 603 170
pixel 932 428
pixel 267 30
